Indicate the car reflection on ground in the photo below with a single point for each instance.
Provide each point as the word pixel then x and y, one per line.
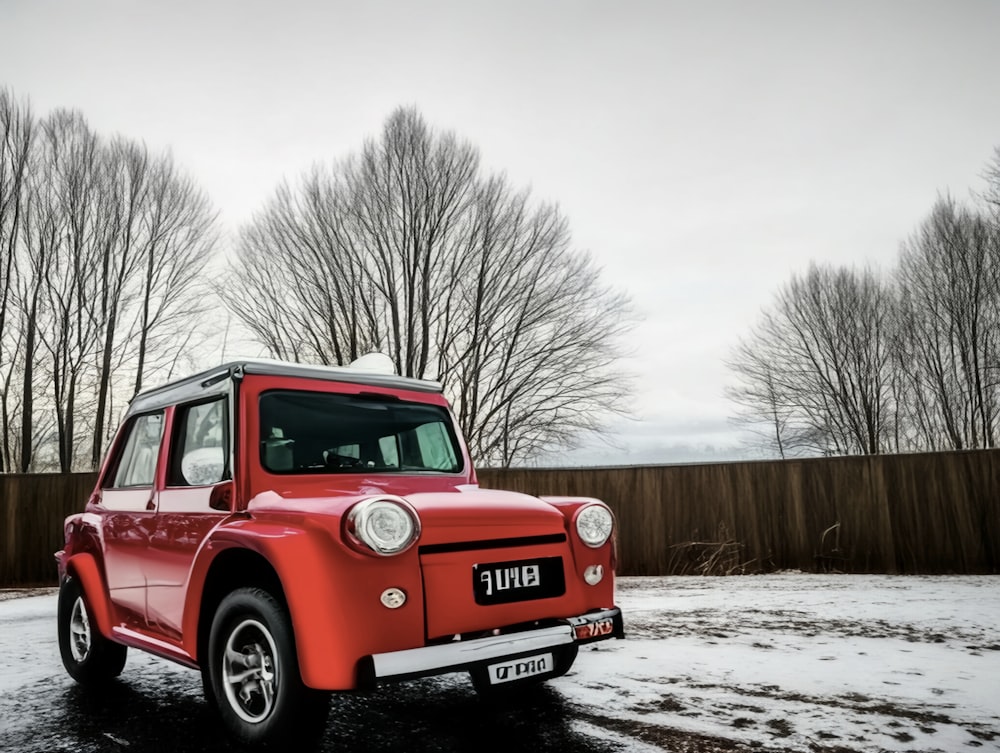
pixel 155 708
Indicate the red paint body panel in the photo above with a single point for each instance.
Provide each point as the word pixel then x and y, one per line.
pixel 333 594
pixel 451 606
pixel 145 554
pixel 183 524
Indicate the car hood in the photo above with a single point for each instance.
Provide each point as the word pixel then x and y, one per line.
pixel 463 514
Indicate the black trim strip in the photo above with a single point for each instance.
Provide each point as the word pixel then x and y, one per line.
pixel 470 546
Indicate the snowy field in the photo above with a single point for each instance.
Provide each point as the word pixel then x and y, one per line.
pixel 784 662
pixel 802 662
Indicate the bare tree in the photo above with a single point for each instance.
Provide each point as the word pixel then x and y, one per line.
pixel 949 272
pixel 992 175
pixel 818 367
pixel 124 194
pixel 72 224
pixel 299 243
pixel 845 363
pixel 409 193
pixel 179 243
pixel 105 248
pixel 17 127
pixel 532 335
pixel 764 410
pixel 159 234
pixel 407 248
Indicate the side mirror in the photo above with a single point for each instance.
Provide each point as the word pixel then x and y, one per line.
pixel 222 497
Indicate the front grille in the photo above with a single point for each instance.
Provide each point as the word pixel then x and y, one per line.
pixel 468 546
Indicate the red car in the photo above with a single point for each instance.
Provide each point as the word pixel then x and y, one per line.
pixel 290 530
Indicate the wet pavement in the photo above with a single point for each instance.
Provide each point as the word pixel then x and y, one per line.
pixel 153 712
pixel 158 706
pixel 787 663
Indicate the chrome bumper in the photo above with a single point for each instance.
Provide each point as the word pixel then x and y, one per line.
pixel 461 655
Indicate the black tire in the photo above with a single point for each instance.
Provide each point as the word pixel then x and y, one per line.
pixel 89 657
pixel 563 662
pixel 252 673
pixel 206 689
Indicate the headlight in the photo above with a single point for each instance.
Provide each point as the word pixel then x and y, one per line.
pixel 386 525
pixel 594 524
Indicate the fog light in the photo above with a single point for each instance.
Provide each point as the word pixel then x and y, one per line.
pixel 594 574
pixel 393 598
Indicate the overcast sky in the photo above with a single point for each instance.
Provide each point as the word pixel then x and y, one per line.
pixel 703 152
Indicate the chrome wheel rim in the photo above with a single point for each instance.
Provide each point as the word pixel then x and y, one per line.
pixel 79 631
pixel 250 671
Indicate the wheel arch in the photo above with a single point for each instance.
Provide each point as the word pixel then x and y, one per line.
pixel 233 567
pixel 84 568
pixel 296 562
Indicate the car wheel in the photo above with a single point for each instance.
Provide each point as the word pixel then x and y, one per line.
pixel 88 656
pixel 516 689
pixel 253 675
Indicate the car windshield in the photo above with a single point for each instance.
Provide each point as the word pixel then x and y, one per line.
pixel 316 432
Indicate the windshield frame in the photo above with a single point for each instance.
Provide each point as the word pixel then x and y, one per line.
pixel 298 448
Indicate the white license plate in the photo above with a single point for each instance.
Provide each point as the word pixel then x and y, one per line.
pixel 518 669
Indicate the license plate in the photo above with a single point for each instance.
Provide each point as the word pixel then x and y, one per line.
pixel 519 580
pixel 518 669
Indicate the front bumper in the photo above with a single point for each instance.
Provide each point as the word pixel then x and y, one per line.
pixel 457 656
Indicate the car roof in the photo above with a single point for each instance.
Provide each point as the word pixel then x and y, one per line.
pixel 215 381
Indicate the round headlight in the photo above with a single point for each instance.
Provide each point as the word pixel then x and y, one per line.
pixel 385 525
pixel 594 524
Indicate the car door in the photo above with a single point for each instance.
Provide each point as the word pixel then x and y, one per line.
pixel 198 461
pixel 127 505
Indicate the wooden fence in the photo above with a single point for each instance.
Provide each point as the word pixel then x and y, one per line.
pixel 32 511
pixel 922 513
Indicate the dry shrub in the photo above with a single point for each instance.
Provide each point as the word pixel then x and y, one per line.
pixel 723 556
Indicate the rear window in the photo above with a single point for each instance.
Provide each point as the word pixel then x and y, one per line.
pixel 315 432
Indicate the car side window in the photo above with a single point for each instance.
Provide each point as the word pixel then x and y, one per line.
pixel 200 448
pixel 137 463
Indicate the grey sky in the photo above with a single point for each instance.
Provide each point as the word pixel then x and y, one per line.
pixel 702 151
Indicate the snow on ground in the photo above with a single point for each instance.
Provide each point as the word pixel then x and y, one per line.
pixel 802 662
pixel 790 661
